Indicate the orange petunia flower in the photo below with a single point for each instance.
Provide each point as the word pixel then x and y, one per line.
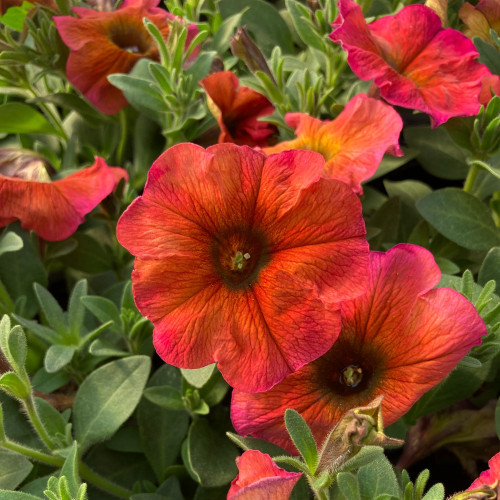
pixel 237 109
pixel 353 144
pixel 480 19
pixel 260 478
pixel 237 254
pixel 103 43
pixel 400 338
pixel 414 61
pixel 52 209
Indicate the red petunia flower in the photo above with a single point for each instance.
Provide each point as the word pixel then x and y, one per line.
pixel 490 477
pixel 416 63
pixel 353 144
pixel 237 109
pixel 399 339
pixel 236 255
pixel 482 18
pixel 261 479
pixel 103 43
pixel 52 209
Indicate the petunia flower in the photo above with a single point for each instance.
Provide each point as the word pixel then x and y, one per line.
pixel 237 255
pixel 400 338
pixel 480 19
pixel 490 477
pixel 414 61
pixel 103 43
pixel 52 209
pixel 260 478
pixel 237 110
pixel 353 144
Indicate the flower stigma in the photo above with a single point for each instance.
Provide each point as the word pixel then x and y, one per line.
pixel 351 375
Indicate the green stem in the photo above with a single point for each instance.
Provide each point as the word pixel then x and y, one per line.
pixel 87 474
pixel 123 137
pixel 34 454
pixel 471 178
pixel 102 483
pixel 29 405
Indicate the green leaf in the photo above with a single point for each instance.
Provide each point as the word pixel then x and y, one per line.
pixel 15 15
pixel 107 397
pixel 58 356
pixel 49 382
pixel 302 438
pixel 51 309
pixel 460 217
pixel 348 485
pixel 435 493
pixel 250 443
pixel 10 242
pixel 13 344
pixel 89 256
pixel 20 118
pixel 165 396
pixel 263 21
pixel 488 55
pixel 366 455
pixel 210 455
pixel 103 309
pixel 438 153
pixel 70 470
pixel 76 309
pixel 198 377
pixel 447 266
pixel 14 468
pixel 19 270
pixel 490 268
pixel 301 18
pixel 52 420
pixel 13 385
pixel 162 431
pixel 378 478
pixel 16 495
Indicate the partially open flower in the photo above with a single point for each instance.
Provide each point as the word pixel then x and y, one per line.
pixel 237 255
pixel 414 61
pixel 482 18
pixel 353 144
pixel 400 338
pixel 261 479
pixel 237 110
pixel 103 43
pixel 52 209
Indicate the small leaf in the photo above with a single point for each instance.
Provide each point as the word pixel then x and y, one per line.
pixel 435 493
pixel 10 242
pixel 210 455
pixel 461 218
pixel 76 309
pixel 490 268
pixel 14 468
pixel 70 470
pixel 51 309
pixel 20 118
pixel 58 356
pixel 198 377
pixel 107 397
pixel 165 396
pixel 302 438
pixel 103 309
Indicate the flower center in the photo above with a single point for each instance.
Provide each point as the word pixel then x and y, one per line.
pixel 351 375
pixel 131 38
pixel 239 256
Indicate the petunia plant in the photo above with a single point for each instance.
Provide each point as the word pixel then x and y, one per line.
pixel 249 249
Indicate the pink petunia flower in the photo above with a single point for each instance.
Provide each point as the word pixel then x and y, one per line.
pixel 353 144
pixel 490 477
pixel 52 209
pixel 261 479
pixel 236 256
pixel 400 338
pixel 103 43
pixel 414 61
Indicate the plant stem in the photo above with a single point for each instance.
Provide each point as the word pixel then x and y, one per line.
pixel 34 454
pixel 471 178
pixel 29 405
pixel 102 483
pixel 123 137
